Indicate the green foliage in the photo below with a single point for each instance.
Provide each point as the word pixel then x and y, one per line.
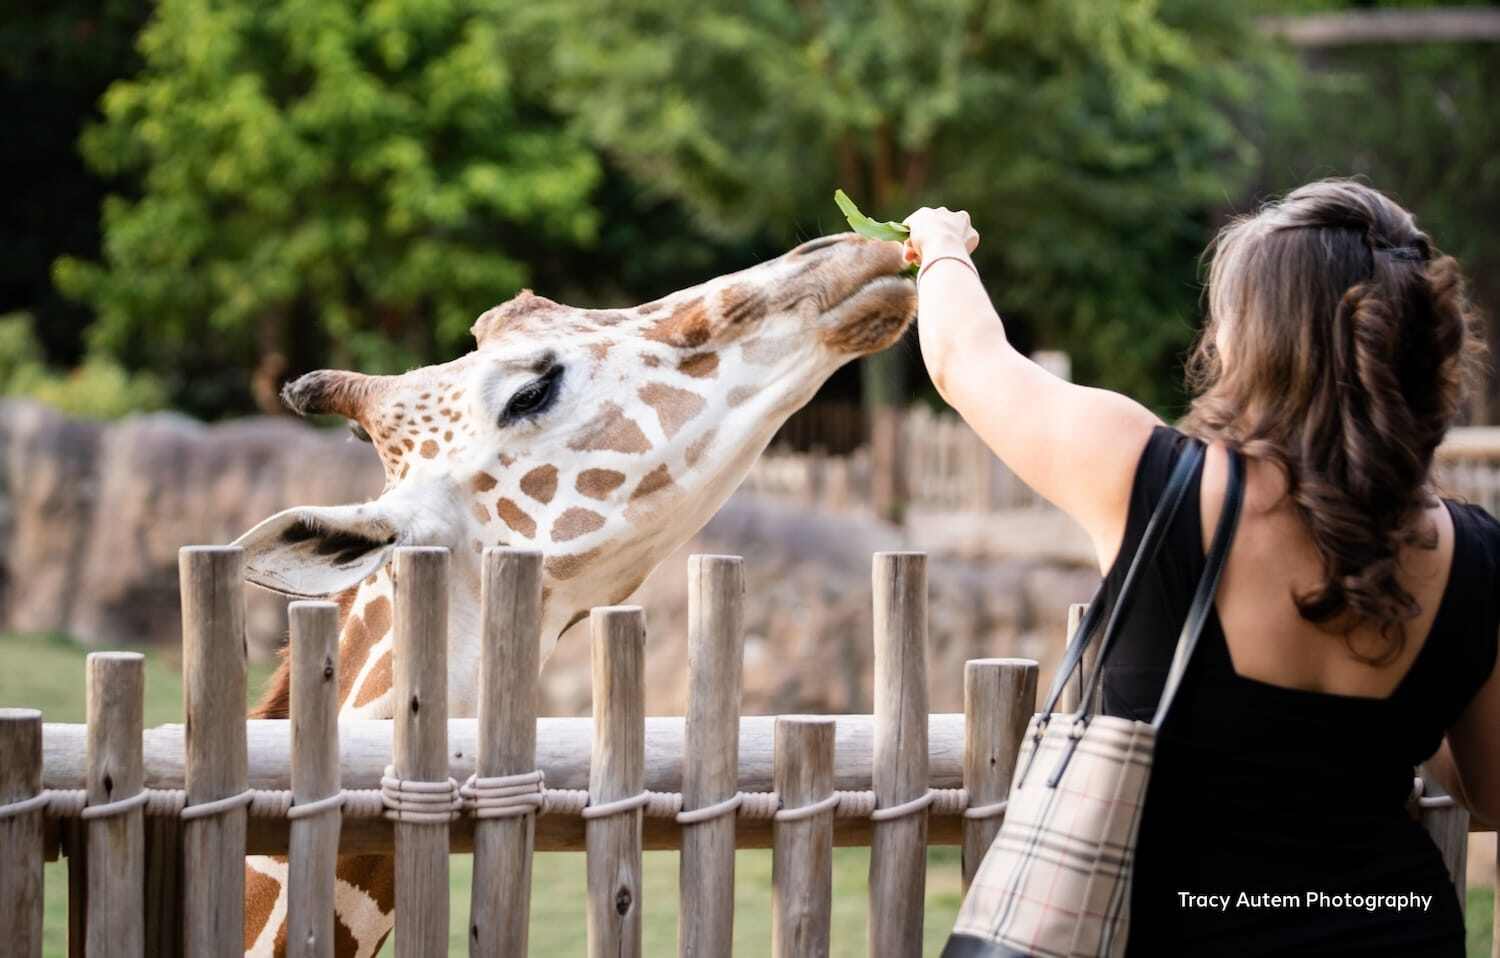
pixel 98 389
pixel 1415 120
pixel 1091 142
pixel 320 180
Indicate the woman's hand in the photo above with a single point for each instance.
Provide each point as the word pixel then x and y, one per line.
pixel 937 232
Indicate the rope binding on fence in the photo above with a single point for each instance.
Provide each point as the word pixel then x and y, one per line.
pixel 508 796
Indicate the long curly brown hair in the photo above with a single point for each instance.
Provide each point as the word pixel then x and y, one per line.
pixel 1350 346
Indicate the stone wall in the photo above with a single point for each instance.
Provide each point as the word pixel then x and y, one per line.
pixel 92 516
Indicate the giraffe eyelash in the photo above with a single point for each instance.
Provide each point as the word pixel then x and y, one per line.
pixel 534 398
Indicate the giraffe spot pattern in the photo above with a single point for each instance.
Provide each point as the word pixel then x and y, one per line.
pixel 699 365
pixel 699 446
pixel 739 394
pixel 599 483
pixel 575 522
pixel 562 567
pixel 540 483
pixel 482 482
pixel 741 303
pixel 610 430
pixel 261 892
pixel 674 407
pixel 516 517
pixel 377 682
pixel 429 449
pixel 654 481
pixel 481 513
pixel 686 327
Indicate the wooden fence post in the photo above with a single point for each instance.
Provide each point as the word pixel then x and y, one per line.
pixel 314 842
pixel 1073 691
pixel 510 629
pixel 21 834
pixel 802 863
pixel 898 847
pixel 420 746
pixel 616 772
pixel 716 590
pixel 115 687
pixel 213 694
pixel 999 699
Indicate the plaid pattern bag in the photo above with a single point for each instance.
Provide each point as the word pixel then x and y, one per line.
pixel 1056 880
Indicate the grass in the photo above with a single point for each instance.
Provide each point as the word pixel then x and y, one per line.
pixel 47 673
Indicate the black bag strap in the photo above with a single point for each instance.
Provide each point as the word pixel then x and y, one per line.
pixel 1208 586
pixel 1151 542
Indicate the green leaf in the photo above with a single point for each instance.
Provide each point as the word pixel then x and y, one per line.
pixel 865 226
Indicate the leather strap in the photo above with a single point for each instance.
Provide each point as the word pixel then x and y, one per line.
pixel 1151 542
pixel 1208 585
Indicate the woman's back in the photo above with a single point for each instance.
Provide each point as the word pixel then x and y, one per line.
pixel 1291 781
pixel 1361 617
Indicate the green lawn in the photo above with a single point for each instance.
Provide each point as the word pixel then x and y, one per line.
pixel 47 673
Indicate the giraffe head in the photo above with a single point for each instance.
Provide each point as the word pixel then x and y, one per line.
pixel 604 438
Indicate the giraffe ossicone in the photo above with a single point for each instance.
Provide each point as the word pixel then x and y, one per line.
pixel 604 438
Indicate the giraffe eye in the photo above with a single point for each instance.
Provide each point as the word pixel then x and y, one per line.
pixel 359 431
pixel 534 398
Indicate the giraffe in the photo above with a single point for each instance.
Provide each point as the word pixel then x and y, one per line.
pixel 604 438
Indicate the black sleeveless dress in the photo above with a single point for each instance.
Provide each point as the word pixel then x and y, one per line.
pixel 1268 791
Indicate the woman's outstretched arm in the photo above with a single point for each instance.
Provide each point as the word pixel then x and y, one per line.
pixel 1076 446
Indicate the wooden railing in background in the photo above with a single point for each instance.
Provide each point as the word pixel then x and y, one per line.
pixel 947 468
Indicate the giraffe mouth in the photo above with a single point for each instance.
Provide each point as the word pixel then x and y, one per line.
pixel 873 316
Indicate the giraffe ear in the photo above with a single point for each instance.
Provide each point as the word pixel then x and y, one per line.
pixel 318 551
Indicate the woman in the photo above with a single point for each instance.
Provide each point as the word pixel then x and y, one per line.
pixel 1356 624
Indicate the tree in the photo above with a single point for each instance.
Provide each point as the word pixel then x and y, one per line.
pixel 1416 119
pixel 318 181
pixel 1092 142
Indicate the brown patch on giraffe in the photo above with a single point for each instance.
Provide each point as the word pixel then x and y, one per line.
pixel 540 483
pixel 652 307
pixel 674 407
pixel 516 517
pixel 481 513
pixel 687 327
pixel 377 682
pixel 654 481
pixel 506 460
pixel 408 444
pixel 699 446
pixel 741 303
pixel 599 483
pixel 562 567
pixel 482 482
pixel 375 875
pixel 699 365
pixel 344 942
pixel 610 430
pixel 644 500
pixel 448 436
pixel 354 648
pixel 377 615
pixel 261 892
pixel 599 350
pixel 739 394
pixel 650 361
pixel 429 449
pixel 575 522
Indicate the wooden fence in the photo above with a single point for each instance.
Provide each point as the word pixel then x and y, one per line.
pixel 946 467
pixel 156 823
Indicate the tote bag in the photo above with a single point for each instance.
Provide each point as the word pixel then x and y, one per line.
pixel 1056 880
